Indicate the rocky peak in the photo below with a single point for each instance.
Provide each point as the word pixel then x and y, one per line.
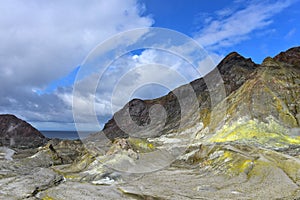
pixel 15 132
pixel 291 56
pixel 235 59
pixel 234 70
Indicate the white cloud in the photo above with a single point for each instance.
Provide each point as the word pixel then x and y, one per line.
pixel 127 75
pixel 236 26
pixel 42 41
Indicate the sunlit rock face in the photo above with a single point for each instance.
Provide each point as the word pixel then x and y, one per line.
pixel 265 109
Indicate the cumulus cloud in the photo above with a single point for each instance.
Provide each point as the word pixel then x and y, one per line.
pixel 167 59
pixel 50 39
pixel 130 76
pixel 43 41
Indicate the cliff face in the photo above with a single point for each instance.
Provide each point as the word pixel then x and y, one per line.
pixel 15 132
pixel 234 70
pixel 262 102
pixel 265 109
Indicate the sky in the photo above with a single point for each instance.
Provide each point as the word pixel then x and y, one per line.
pixel 49 47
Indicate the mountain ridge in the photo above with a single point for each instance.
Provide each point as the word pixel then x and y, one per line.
pixel 234 70
pixel 226 68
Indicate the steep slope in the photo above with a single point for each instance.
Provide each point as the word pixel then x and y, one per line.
pixel 234 70
pixel 291 56
pixel 265 109
pixel 15 132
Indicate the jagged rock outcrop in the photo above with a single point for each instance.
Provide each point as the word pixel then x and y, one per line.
pixel 17 133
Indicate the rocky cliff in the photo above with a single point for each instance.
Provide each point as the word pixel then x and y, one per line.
pixel 265 109
pixel 263 98
pixel 15 132
pixel 234 70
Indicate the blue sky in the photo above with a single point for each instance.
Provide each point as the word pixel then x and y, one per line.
pixel 280 32
pixel 44 45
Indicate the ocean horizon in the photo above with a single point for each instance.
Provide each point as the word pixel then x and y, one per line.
pixel 70 135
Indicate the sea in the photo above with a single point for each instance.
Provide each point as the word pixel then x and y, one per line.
pixel 67 135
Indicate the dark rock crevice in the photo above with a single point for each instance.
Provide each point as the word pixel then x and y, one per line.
pixel 57 180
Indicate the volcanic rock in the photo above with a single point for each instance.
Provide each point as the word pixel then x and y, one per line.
pixel 234 70
pixel 17 133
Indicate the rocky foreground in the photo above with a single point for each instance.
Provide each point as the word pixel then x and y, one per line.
pixel 246 146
